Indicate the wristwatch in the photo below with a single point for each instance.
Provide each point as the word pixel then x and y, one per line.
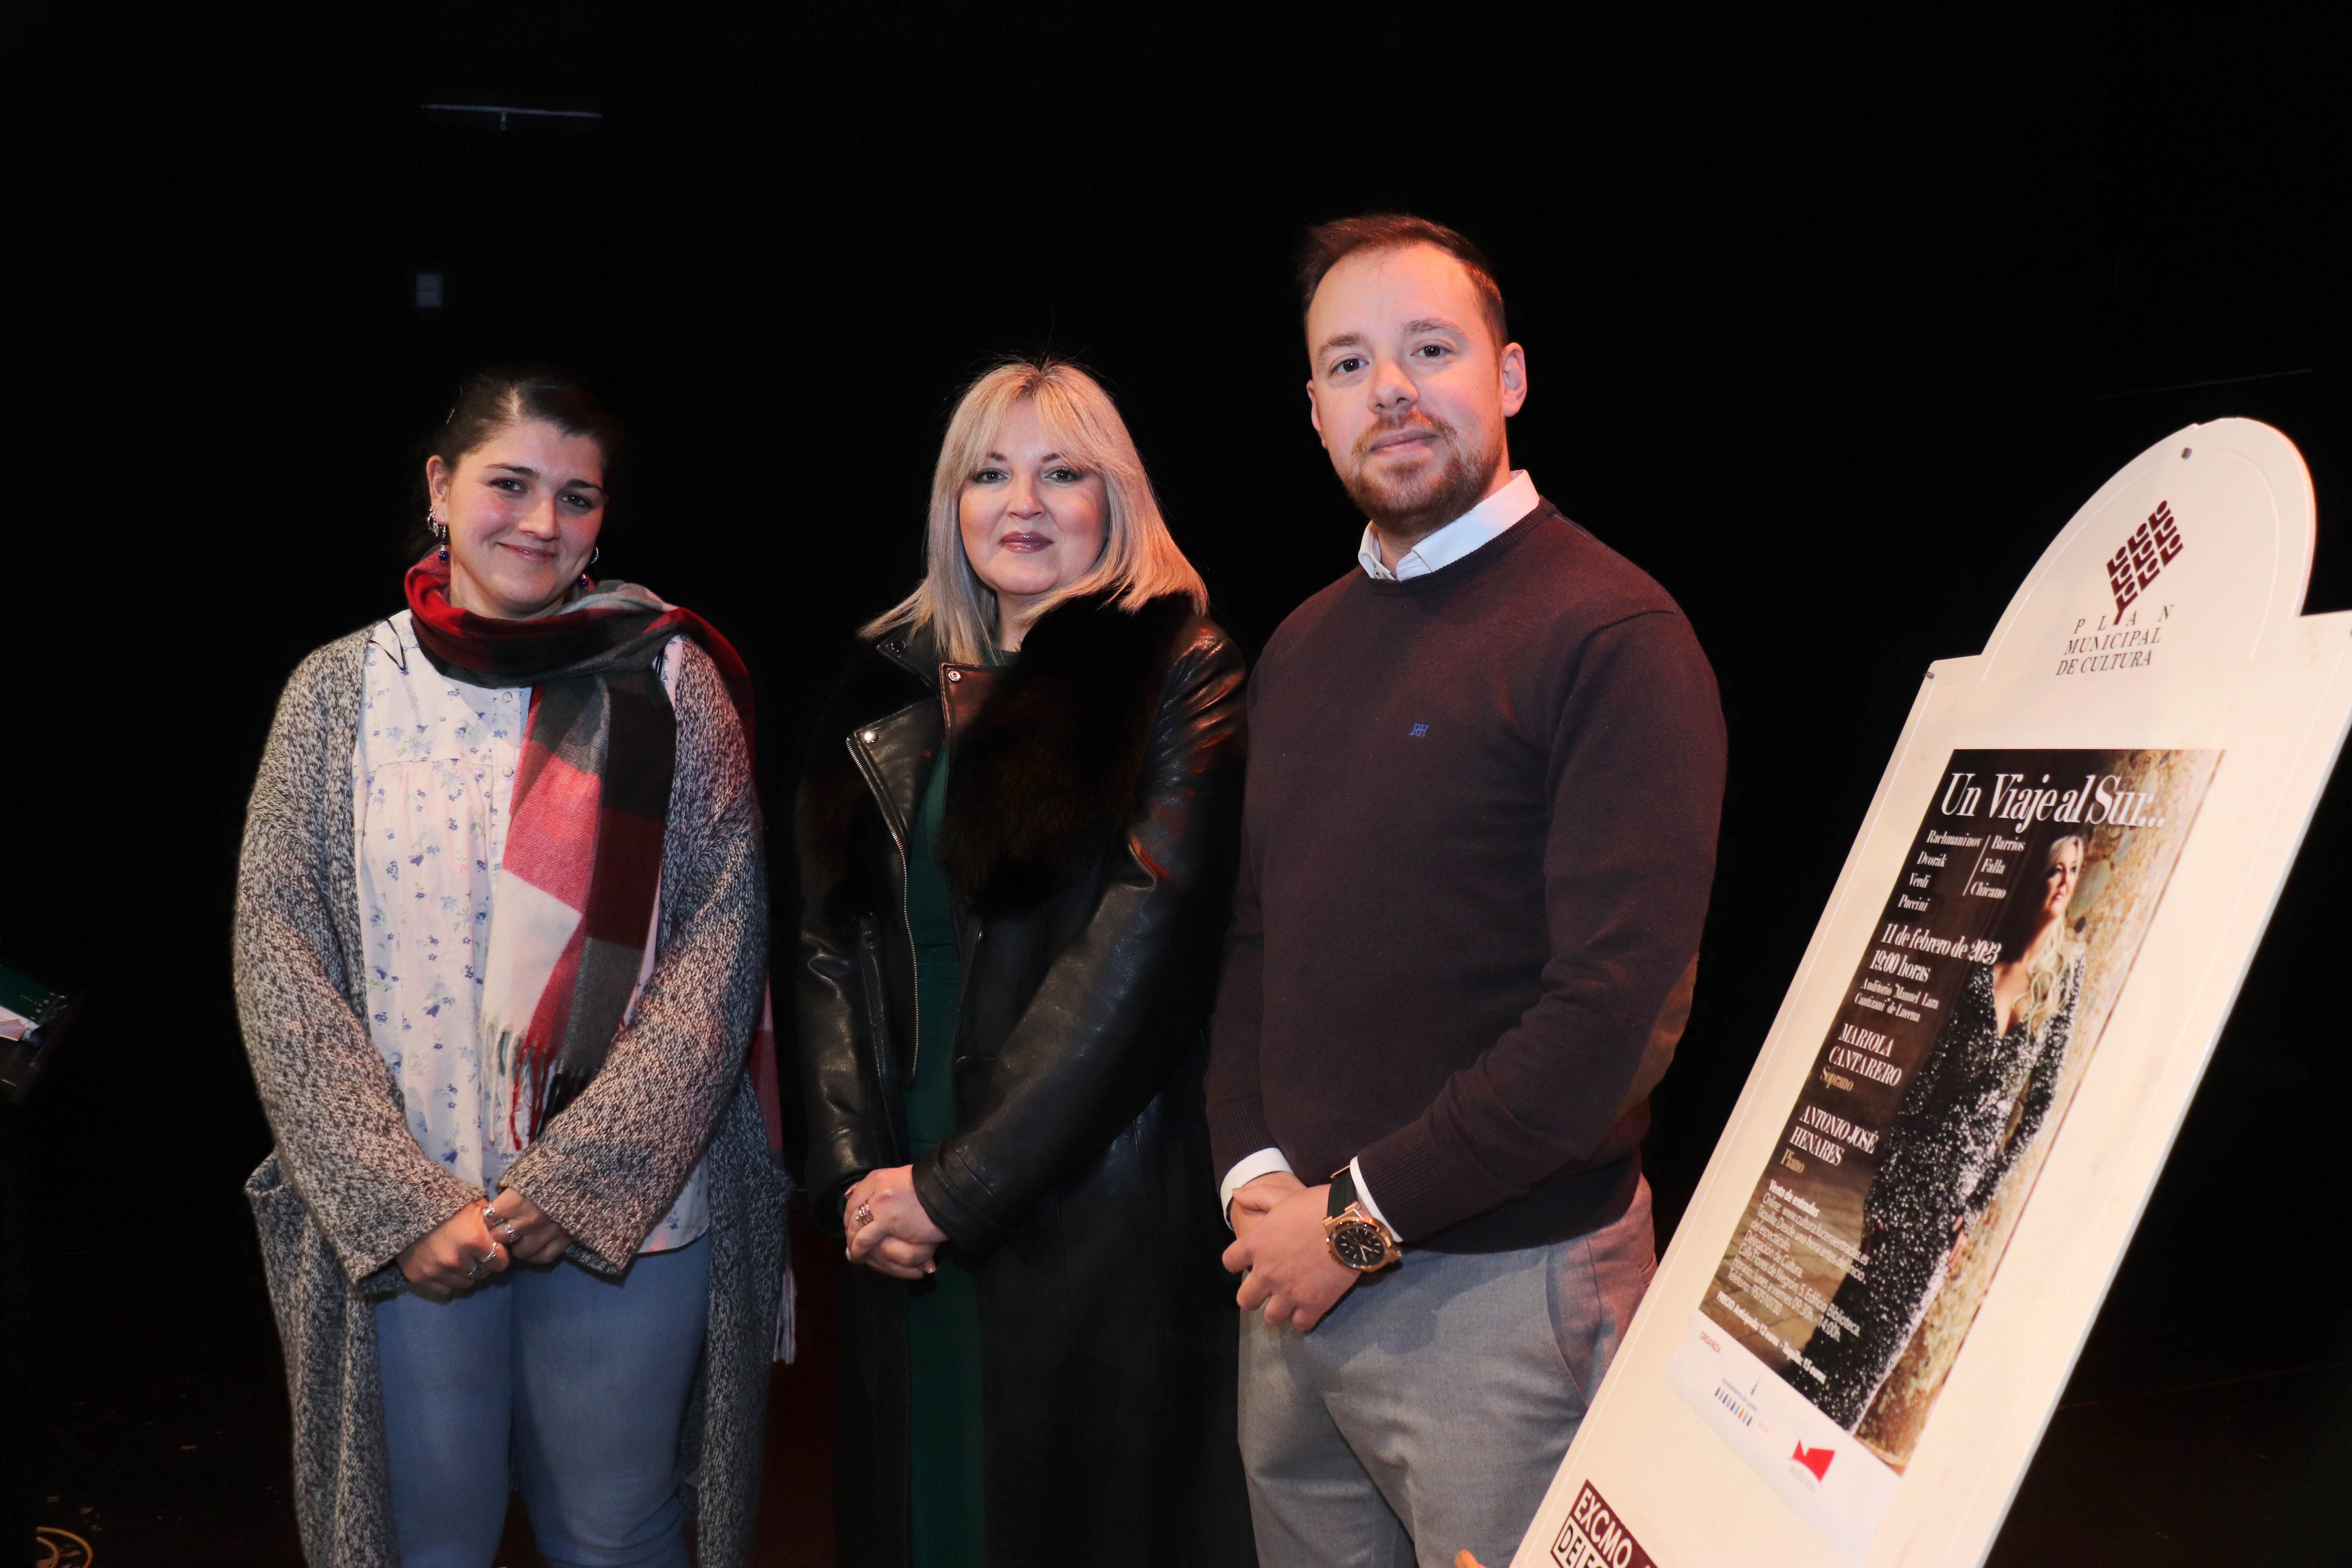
pixel 1357 1240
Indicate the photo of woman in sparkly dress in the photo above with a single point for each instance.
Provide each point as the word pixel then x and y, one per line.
pixel 1972 1107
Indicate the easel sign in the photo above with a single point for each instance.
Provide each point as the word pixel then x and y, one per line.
pixel 1851 1349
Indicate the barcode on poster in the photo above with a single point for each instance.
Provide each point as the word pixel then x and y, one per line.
pixel 1594 1537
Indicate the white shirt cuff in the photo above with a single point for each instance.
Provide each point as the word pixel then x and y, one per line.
pixel 1364 1196
pixel 1247 1169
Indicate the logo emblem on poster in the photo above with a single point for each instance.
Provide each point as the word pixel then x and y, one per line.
pixel 2148 551
pixel 1814 1461
pixel 1730 1399
pixel 1594 1537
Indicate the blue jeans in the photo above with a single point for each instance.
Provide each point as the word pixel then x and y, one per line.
pixel 583 1380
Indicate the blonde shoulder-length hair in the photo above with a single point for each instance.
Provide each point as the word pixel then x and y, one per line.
pixel 2053 964
pixel 1139 561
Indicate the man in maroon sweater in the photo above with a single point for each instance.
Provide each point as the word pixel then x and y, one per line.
pixel 1485 772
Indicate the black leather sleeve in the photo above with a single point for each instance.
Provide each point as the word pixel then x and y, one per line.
pixel 1093 1046
pixel 834 982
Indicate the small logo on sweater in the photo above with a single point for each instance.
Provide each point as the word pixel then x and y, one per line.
pixel 1417 732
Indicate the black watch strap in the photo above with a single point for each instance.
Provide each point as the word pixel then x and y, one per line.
pixel 1343 1191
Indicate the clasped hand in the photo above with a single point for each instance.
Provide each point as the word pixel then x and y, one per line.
pixel 889 1231
pixel 1280 1250
pixel 479 1241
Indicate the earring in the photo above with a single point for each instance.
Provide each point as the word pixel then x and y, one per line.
pixel 440 532
pixel 596 553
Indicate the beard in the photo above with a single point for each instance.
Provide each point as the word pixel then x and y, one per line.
pixel 1410 507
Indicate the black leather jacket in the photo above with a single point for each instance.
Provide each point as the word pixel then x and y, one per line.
pixel 1090 836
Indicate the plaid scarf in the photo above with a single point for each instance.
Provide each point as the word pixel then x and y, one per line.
pixel 575 897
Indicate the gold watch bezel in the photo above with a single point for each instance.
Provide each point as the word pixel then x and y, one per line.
pixel 1354 1215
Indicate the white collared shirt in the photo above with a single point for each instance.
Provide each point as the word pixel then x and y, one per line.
pixel 1481 525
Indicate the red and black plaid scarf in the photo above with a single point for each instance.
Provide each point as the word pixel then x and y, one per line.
pixel 573 909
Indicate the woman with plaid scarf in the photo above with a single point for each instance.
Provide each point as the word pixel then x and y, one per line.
pixel 500 939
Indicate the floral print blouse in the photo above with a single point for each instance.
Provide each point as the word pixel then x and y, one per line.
pixel 431 780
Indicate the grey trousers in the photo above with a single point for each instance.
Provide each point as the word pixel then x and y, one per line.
pixel 1428 1411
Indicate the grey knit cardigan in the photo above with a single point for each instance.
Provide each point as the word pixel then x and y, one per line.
pixel 346 1188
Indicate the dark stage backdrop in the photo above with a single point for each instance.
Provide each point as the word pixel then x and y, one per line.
pixel 1831 324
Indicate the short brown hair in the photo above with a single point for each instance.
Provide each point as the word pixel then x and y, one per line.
pixel 1327 244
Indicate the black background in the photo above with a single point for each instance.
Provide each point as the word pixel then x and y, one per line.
pixel 1831 322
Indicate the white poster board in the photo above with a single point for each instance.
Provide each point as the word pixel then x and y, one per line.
pixel 1849 1352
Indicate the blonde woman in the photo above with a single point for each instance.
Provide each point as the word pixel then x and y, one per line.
pixel 1973 1105
pixel 1017 834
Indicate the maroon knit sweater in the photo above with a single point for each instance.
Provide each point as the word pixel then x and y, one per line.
pixel 1478 840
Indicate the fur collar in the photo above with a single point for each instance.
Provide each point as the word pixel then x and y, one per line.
pixel 1046 774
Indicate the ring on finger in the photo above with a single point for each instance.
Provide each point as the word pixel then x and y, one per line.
pixel 864 1216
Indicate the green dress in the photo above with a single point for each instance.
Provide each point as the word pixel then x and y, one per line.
pixel 942 1311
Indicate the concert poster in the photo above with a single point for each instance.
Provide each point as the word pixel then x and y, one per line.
pixel 1872 1235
